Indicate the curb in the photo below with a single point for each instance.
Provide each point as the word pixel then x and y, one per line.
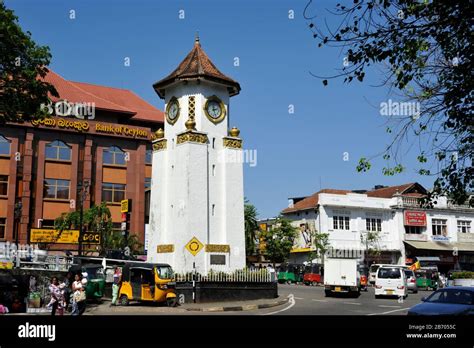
pixel 240 308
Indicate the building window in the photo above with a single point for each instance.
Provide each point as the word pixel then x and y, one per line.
pixel 464 226
pixel 4 146
pixel 114 155
pixel 113 193
pixel 341 222
pixel 56 189
pixel 3 185
pixel 59 151
pixel 373 225
pixel 148 156
pixel 3 227
pixel 413 230
pixel 147 183
pixel 439 227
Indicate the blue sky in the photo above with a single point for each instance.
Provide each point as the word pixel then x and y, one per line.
pixel 295 152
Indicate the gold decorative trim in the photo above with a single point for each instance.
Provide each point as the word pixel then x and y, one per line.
pixel 217 248
pixel 159 145
pixel 232 143
pixel 222 106
pixel 191 136
pixel 172 101
pixel 165 248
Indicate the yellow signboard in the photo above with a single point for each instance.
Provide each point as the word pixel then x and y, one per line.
pixel 53 236
pixel 6 265
pixel 124 206
pixel 194 246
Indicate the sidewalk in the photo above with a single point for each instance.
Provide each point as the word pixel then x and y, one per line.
pixel 187 308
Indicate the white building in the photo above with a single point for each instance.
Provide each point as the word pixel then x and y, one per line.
pixel 405 230
pixel 196 215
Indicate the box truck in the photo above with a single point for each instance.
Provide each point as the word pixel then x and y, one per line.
pixel 341 275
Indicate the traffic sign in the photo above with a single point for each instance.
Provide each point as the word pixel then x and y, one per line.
pixel 194 246
pixel 125 206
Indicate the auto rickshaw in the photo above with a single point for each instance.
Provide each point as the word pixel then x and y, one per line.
pixel 364 277
pixel 291 273
pixel 426 279
pixel 147 282
pixel 312 274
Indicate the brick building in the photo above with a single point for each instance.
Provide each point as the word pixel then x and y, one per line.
pixel 43 163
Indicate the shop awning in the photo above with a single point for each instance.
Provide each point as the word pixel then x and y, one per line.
pixel 427 258
pixel 441 246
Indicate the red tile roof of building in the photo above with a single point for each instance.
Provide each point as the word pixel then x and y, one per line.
pixel 390 191
pixel 105 98
pixel 311 202
pixel 197 65
pixel 409 190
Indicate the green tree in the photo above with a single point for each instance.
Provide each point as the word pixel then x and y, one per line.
pixel 22 66
pixel 321 245
pixel 370 241
pixel 251 227
pixel 280 240
pixel 424 47
pixel 98 219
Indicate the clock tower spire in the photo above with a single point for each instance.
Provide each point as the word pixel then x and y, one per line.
pixel 197 179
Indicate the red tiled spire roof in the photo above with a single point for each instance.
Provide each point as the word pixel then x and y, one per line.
pixel 105 98
pixel 197 65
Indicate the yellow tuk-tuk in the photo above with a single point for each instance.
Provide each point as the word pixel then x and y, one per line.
pixel 147 282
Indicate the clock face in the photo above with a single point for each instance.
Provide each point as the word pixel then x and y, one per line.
pixel 214 109
pixel 172 110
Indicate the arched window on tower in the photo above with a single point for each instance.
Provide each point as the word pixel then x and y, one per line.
pixel 57 150
pixel 114 155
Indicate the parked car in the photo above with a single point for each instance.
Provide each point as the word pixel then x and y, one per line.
pixel 390 281
pixel 411 280
pixel 455 300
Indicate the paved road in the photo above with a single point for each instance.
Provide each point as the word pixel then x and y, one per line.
pixel 308 300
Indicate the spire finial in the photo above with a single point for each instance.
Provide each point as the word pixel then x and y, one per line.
pixel 196 40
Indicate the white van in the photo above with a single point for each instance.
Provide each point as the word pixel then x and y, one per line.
pixel 373 271
pixel 390 281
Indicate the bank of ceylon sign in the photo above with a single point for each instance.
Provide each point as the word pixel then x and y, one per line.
pixel 85 126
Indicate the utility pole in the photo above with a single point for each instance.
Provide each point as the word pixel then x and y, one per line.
pixel 82 189
pixel 17 218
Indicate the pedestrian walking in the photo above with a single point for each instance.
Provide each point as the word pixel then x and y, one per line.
pixel 57 302
pixel 116 285
pixel 79 295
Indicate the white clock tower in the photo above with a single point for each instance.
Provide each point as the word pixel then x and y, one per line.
pixel 197 203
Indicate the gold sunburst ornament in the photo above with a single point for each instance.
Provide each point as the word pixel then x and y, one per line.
pixel 214 109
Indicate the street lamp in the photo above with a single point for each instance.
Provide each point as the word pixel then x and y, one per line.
pixel 82 188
